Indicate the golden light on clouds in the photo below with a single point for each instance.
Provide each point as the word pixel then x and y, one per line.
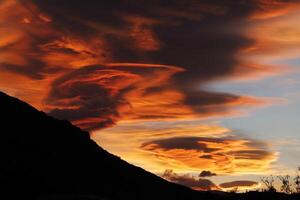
pixel 221 155
pixel 187 148
pixel 276 36
pixel 74 53
pixel 268 9
pixel 139 72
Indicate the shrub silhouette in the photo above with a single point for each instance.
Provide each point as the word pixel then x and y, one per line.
pixel 269 183
pixel 297 181
pixel 286 186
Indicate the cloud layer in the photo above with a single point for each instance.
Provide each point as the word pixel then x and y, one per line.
pixel 222 154
pixel 48 41
pixel 206 184
pixel 233 184
pixel 189 181
pixel 103 63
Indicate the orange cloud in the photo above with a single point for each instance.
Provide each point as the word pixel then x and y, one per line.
pixel 132 91
pixel 113 91
pixel 54 48
pixel 275 37
pixel 186 147
pixel 101 63
pixel 270 9
pixel 72 52
pixel 21 25
pixel 224 155
pixel 24 88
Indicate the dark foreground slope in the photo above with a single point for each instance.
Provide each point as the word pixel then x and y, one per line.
pixel 45 158
pixel 42 157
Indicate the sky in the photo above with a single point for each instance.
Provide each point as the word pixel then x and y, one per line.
pixel 200 92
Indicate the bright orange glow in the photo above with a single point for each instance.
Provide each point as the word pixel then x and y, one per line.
pixel 59 53
pixel 75 53
pixel 276 37
pixel 24 88
pixel 206 148
pixel 229 156
pixel 141 78
pixel 271 9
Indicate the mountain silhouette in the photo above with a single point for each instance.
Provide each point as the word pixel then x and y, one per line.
pixel 46 158
pixel 43 157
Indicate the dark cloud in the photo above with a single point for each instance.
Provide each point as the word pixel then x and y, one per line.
pixel 202 46
pixel 192 34
pixel 83 101
pixel 204 145
pixel 207 174
pixel 95 96
pixel 242 183
pixel 189 181
pixel 206 156
pixel 56 38
pixel 186 143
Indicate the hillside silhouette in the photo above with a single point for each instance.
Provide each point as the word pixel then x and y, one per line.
pixel 46 158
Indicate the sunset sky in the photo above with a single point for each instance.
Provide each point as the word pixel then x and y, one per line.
pixel 184 89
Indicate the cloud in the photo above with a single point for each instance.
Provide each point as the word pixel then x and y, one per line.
pixel 206 184
pixel 186 147
pixel 131 91
pixel 267 9
pixel 100 63
pixel 47 42
pixel 189 181
pixel 96 96
pixel 133 134
pixel 243 184
pixel 207 174
pixel 275 38
pixel 222 154
pixel 19 50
